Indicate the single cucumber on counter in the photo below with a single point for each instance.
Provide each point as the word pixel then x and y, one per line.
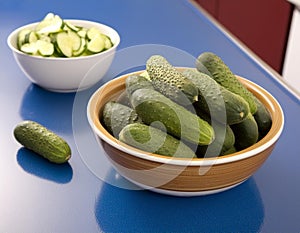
pixel 223 75
pixel 116 116
pixel 216 101
pixel 246 132
pixel 153 140
pixel 42 141
pixel 262 118
pixel 170 82
pixel 152 106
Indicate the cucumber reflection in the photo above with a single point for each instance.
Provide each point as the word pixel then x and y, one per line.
pixel 40 167
pixel 237 210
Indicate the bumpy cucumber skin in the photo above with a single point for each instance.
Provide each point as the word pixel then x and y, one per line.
pixel 116 116
pixel 170 82
pixel 153 106
pixel 134 82
pixel 42 141
pixel 263 119
pixel 153 140
pixel 224 76
pixel 215 100
pixel 246 132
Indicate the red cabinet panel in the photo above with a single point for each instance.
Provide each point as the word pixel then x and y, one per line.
pixel 262 25
pixel 210 5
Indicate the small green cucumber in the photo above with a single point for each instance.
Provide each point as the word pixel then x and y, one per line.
pixel 202 69
pixel 134 82
pixel 170 82
pixel 145 75
pixel 224 139
pixel 42 141
pixel 262 118
pixel 230 151
pixel 224 76
pixel 216 101
pixel 152 106
pixel 246 132
pixel 153 140
pixel 116 116
pixel 123 98
pixel 219 146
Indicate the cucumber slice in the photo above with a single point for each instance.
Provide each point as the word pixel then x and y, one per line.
pixel 50 24
pixel 21 37
pixel 107 42
pixel 39 47
pixel 76 40
pixel 67 42
pixel 95 32
pixel 49 16
pixel 64 44
pixel 82 33
pixel 46 38
pixel 45 48
pixel 96 44
pixel 31 37
pixel 29 48
pixel 92 33
pixel 70 26
pixel 82 48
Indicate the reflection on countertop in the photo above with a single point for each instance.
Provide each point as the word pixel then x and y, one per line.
pixel 42 168
pixel 237 210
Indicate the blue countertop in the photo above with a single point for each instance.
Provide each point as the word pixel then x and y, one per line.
pixel 37 196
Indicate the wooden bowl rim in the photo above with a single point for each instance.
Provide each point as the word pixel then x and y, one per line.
pixel 271 138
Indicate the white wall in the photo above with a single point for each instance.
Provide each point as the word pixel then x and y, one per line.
pixel 291 67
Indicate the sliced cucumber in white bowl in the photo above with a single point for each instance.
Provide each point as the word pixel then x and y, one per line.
pixel 56 37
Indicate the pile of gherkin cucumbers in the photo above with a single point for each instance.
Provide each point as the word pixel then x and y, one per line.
pixel 193 112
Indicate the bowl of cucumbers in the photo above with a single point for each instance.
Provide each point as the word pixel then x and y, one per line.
pixel 185 131
pixel 57 54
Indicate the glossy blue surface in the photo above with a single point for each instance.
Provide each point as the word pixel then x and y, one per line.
pixel 36 196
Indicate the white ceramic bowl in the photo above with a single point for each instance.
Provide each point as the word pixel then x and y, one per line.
pixel 178 176
pixel 65 74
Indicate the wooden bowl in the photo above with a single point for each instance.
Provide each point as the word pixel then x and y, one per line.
pixel 178 176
